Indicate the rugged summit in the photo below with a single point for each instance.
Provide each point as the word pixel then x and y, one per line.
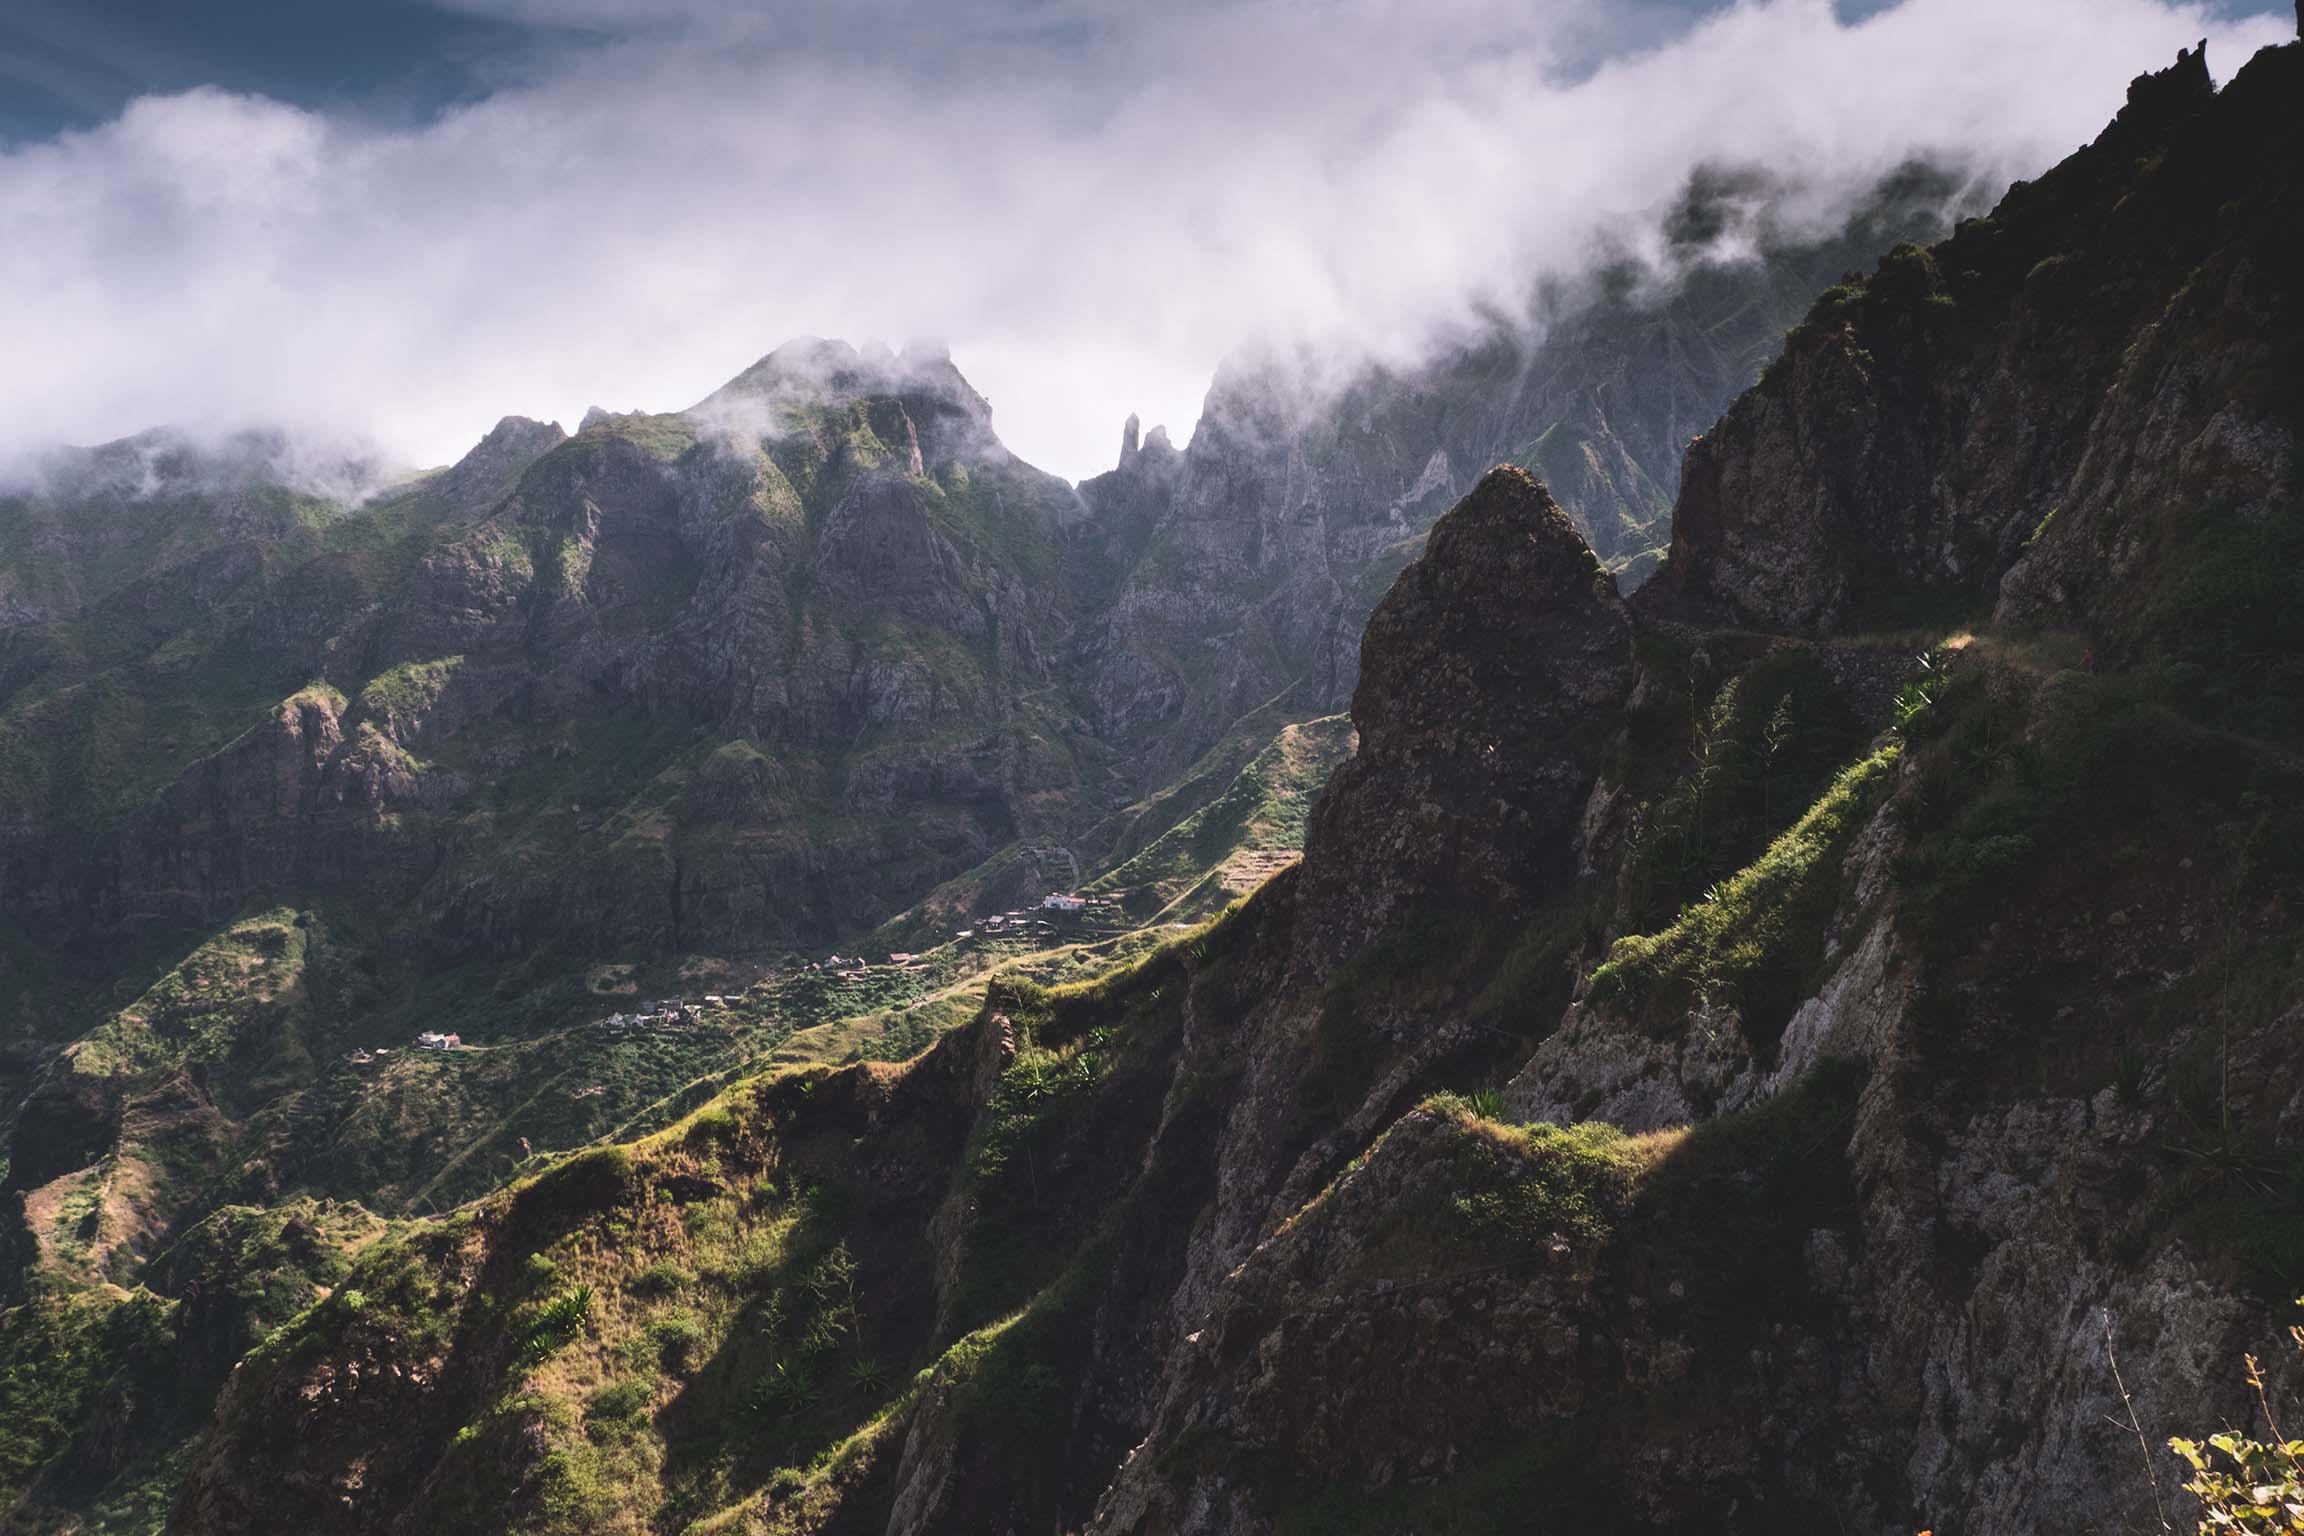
pixel 1919 449
pixel 848 581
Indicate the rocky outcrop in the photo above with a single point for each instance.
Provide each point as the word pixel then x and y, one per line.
pixel 1489 670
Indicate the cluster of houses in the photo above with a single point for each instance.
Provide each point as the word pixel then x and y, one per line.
pixel 855 967
pixel 665 1013
pixel 1040 922
pixel 429 1040
pixel 1030 922
pixel 1036 922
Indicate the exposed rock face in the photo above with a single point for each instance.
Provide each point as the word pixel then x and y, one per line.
pixel 1914 1333
pixel 1321 1360
pixel 1962 1275
pixel 1486 664
pixel 1920 447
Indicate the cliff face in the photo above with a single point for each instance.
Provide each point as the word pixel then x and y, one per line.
pixel 1921 450
pixel 1485 665
pixel 1945 1158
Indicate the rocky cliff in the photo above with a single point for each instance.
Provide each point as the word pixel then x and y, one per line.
pixel 1920 449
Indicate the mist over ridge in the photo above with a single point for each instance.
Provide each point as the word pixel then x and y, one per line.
pixel 1095 209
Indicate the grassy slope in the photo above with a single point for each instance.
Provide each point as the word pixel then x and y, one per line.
pixel 720 1321
pixel 1210 857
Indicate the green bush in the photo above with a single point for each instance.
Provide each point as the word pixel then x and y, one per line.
pixel 556 1324
pixel 615 1411
pixel 2248 1487
pixel 787 1388
pixel 673 1339
pixel 1539 1182
pixel 663 1278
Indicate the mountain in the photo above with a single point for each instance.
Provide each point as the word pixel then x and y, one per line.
pixel 814 660
pixel 1746 1055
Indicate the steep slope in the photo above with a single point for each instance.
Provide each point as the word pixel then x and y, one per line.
pixel 1712 1069
pixel 681 686
pixel 1975 1088
pixel 701 687
pixel 1080 1126
pixel 1921 448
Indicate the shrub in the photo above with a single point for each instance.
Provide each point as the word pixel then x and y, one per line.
pixel 2262 1491
pixel 663 1278
pixel 614 1411
pixel 673 1339
pixel 557 1323
pixel 1550 1180
pixel 589 1181
pixel 714 1122
pixel 785 1390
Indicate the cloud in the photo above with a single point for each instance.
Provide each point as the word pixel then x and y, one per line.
pixel 1093 204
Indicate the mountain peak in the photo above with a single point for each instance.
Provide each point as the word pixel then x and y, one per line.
pixel 952 420
pixel 816 368
pixel 492 463
pixel 2168 94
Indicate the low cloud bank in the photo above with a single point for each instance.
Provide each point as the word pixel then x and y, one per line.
pixel 1094 205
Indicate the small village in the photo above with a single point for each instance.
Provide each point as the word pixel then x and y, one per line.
pixel 666 1013
pixel 1057 916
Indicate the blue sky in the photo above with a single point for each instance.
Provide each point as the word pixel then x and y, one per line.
pixel 74 63
pixel 400 219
